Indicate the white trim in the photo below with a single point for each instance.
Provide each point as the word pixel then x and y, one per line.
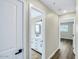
pixel 34 7
pixel 25 29
pixel 74 39
pixel 44 36
pixel 59 31
pixel 53 53
pixel 29 33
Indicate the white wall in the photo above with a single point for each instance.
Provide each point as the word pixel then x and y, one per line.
pixel 51 28
pixel 52 35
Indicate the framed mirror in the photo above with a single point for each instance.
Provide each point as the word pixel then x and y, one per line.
pixel 37 29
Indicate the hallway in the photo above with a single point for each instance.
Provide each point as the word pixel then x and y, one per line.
pixel 32 29
pixel 66 50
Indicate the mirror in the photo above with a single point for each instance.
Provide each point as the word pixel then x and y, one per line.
pixel 37 29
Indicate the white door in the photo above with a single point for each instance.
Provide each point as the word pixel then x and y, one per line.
pixel 11 29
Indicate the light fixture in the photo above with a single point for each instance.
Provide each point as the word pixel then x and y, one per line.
pixel 64 11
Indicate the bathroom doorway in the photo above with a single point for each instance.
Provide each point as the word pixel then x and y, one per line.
pixel 36 33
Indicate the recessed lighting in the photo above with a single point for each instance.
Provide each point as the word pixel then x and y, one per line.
pixel 64 11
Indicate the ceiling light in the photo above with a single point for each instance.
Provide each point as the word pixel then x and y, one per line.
pixel 64 11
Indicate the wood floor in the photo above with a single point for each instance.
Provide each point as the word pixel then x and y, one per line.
pixel 66 50
pixel 36 55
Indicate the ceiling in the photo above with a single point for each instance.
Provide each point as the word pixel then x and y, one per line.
pixel 61 6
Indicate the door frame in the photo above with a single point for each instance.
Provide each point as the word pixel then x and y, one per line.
pixel 70 19
pixel 41 11
pixel 25 27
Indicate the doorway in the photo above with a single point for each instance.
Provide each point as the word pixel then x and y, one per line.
pixel 67 36
pixel 36 33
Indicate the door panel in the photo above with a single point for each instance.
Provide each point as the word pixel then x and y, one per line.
pixel 7 25
pixel 10 29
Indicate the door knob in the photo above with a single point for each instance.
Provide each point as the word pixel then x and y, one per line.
pixel 19 51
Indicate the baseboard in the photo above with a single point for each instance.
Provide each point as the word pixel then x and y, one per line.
pixel 53 53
